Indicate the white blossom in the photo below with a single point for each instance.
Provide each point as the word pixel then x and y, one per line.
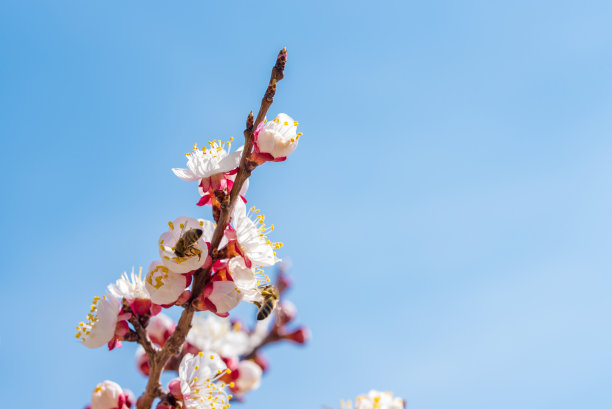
pixel 278 138
pixel 107 395
pixel 208 161
pixel 130 288
pixel 247 280
pixel 163 285
pixel 101 322
pixel 198 375
pixel 252 236
pixel 216 334
pixel 375 400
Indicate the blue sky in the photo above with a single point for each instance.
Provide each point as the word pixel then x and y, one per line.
pixel 447 212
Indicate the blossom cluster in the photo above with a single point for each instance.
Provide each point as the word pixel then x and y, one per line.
pixel 217 355
pixel 375 400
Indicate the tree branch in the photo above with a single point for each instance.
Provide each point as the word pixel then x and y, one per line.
pixel 174 344
pixel 143 338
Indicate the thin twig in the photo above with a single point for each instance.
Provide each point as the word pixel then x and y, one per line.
pixel 143 337
pixel 157 361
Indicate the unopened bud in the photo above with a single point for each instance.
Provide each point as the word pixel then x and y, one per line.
pixel 142 362
pixel 160 328
pixel 299 336
pixel 174 386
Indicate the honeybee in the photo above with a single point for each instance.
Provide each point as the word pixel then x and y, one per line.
pixel 270 299
pixel 185 245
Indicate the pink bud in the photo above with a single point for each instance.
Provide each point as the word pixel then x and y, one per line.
pixel 142 362
pixel 299 336
pixel 114 343
pixel 174 386
pixel 160 328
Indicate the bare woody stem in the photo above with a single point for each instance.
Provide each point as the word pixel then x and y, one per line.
pixel 159 358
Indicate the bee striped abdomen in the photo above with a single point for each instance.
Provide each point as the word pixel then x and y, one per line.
pixel 266 309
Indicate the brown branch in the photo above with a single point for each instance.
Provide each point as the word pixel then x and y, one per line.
pixel 173 345
pixel 143 337
pixel 272 337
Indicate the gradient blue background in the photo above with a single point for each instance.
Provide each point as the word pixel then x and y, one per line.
pixel 447 213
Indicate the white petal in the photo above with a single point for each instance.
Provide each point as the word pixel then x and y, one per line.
pixel 185 174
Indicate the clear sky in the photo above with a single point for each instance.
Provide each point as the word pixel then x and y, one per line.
pixel 447 212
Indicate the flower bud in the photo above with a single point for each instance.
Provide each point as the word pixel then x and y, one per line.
pixel 275 140
pixel 164 286
pixel 108 395
pixel 160 328
pixel 299 336
pixel 174 386
pixel 142 361
pixel 249 377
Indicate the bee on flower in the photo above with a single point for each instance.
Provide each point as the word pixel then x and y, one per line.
pixel 183 248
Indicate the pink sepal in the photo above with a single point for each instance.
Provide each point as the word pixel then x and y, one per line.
pixel 114 343
pixel 299 336
pixel 121 401
pixel 129 398
pixel 174 386
pixel 155 309
pixel 124 316
pixel 121 329
pixel 183 298
pixel 205 200
pixel 140 306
